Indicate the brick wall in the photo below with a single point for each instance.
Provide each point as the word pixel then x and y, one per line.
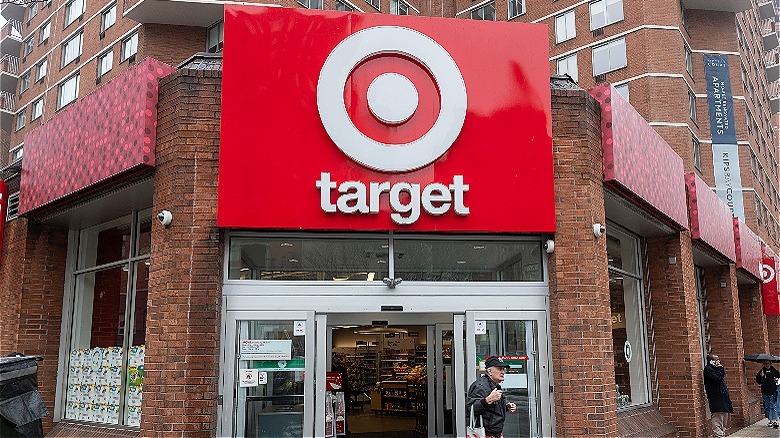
pixel 581 331
pixel 755 339
pixel 182 337
pixel 11 268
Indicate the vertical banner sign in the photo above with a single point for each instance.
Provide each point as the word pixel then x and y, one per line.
pixel 769 291
pixel 725 153
pixel 3 211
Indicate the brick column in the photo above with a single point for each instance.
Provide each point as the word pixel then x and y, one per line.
pixel 581 329
pixel 182 341
pixel 773 333
pixel 676 324
pixel 756 340
pixel 726 334
pixel 11 268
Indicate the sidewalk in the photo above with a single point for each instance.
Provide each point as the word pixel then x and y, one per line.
pixel 759 429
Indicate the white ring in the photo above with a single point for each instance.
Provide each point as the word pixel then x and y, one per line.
pixel 767 273
pixel 371 153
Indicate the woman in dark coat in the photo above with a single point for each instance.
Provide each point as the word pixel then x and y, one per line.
pixel 717 395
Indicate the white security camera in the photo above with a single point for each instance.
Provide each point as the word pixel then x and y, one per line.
pixel 599 229
pixel 549 246
pixel 165 217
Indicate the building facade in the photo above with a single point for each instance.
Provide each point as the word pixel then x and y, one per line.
pixel 163 269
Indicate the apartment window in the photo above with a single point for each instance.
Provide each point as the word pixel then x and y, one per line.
pixel 684 16
pixel 68 91
pixel 109 296
pixel 24 83
pixel 21 119
pixel 29 43
pixel 486 12
pixel 605 12
pixel 71 49
pixel 623 91
pixel 342 6
pixel 692 105
pixel 564 27
pixel 753 162
pixel 568 65
pixel 215 38
pixel 399 7
pixel 13 200
pixel 129 46
pixel 610 56
pixel 688 60
pixel 36 109
pixel 40 70
pixel 16 154
pixel 311 4
pixel 516 8
pixel 44 32
pixel 696 146
pixel 73 10
pixel 758 209
pixel 108 18
pixel 374 3
pixel 749 118
pixel 105 63
pixel 629 337
pixel 32 10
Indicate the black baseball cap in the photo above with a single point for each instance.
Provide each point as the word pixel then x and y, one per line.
pixel 495 361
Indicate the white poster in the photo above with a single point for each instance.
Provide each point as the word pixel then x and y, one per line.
pixel 728 182
pixel 255 349
pixel 248 378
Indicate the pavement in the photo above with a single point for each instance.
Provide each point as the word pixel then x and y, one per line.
pixel 759 429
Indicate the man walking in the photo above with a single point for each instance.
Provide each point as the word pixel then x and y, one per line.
pixel 488 400
pixel 767 378
pixel 717 395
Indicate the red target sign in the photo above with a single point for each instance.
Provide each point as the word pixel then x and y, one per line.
pixel 354 121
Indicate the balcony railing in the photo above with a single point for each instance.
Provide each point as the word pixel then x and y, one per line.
pixel 7 101
pixel 12 28
pixel 10 64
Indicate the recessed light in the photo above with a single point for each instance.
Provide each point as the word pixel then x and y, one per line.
pixel 461 262
pixel 381 262
pixel 244 269
pixel 294 261
pixel 285 244
pixel 478 247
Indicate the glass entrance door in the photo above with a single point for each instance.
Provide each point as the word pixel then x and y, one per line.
pixel 267 366
pixel 521 340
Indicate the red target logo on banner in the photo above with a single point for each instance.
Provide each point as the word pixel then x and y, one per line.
pixel 769 292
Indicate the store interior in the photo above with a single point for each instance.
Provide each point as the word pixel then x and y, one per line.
pixel 386 379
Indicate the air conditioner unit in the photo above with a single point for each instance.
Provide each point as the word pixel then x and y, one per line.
pixel 601 78
pixel 102 34
pixel 598 32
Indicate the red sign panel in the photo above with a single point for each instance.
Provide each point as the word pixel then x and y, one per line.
pixel 3 211
pixel 351 121
pixel 769 290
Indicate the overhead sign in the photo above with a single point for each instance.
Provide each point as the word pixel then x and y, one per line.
pixel 350 121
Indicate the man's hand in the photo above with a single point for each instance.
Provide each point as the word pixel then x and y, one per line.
pixel 494 396
pixel 511 407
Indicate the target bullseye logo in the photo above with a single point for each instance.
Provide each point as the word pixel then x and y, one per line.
pixel 392 98
pixel 767 273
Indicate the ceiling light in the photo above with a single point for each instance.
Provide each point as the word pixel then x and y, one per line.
pixel 478 247
pixel 381 262
pixel 244 269
pixel 294 261
pixel 285 244
pixel 461 262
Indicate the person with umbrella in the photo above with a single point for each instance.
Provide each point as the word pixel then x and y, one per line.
pixel 717 395
pixel 768 377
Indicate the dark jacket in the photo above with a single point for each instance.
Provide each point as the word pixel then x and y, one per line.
pixel 768 383
pixel 717 393
pixel 493 415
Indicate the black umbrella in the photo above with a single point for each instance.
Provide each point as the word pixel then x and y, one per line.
pixel 762 357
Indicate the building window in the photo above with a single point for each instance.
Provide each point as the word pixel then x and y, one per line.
pixel 610 56
pixel 24 83
pixel 486 12
pixel 343 6
pixel 44 32
pixel 21 119
pixel 692 105
pixel 215 37
pixel 107 345
pixel 516 8
pixel 17 154
pixel 399 7
pixel 696 146
pixel 628 321
pixel 564 27
pixel 129 47
pixel 605 12
pixel 108 18
pixel 684 17
pixel 68 91
pixel 40 70
pixel 29 43
pixel 374 3
pixel 688 60
pixel 568 65
pixel 32 10
pixel 13 200
pixel 73 10
pixel 623 91
pixel 311 4
pixel 105 63
pixel 749 118
pixel 71 49
pixel 37 109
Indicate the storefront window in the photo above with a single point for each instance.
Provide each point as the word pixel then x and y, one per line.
pixel 628 322
pixel 106 355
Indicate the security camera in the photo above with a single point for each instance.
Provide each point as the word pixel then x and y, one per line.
pixel 599 229
pixel 165 217
pixel 391 283
pixel 549 246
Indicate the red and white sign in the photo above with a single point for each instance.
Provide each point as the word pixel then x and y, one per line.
pixel 769 292
pixel 3 211
pixel 352 121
